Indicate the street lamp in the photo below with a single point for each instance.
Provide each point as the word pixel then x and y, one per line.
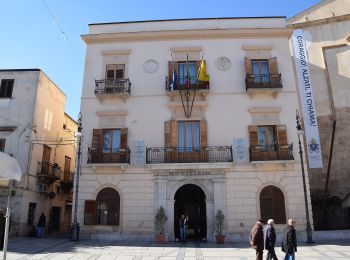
pixel 308 225
pixel 75 228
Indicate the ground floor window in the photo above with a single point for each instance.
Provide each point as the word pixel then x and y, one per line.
pixel 31 214
pixel 108 207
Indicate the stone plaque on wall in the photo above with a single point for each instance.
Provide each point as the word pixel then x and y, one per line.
pixel 138 152
pixel 240 150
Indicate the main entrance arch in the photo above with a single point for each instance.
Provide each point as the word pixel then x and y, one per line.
pixel 190 200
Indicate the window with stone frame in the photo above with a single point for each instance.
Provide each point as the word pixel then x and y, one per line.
pixel 105 210
pixel 272 205
pixel 6 88
pixel 2 144
pixel 188 135
pixel 115 72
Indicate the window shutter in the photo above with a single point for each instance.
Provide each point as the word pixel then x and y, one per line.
pixel 170 133
pixel 282 135
pixel 90 212
pixel 253 135
pixel 167 135
pixel 248 66
pixel 273 66
pixel 171 67
pixel 97 138
pixel 203 133
pixel 123 138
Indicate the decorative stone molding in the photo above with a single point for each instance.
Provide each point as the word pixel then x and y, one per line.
pixel 186 50
pixel 198 111
pixel 248 33
pixel 257 47
pixel 116 52
pixel 265 115
pixel 112 119
pixel 223 63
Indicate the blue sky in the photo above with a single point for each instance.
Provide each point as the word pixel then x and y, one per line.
pixel 30 38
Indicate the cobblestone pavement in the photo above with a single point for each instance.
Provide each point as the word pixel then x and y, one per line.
pixel 54 248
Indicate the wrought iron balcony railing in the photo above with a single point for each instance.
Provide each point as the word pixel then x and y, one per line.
pixel 68 176
pixel 189 155
pixel 109 87
pixel 182 83
pixel 271 152
pixel 103 155
pixel 48 172
pixel 263 81
pixel 67 181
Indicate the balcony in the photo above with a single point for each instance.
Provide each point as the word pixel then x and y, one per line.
pixel 182 85
pixel 271 152
pixel 263 83
pixel 67 181
pixel 157 155
pixel 108 156
pixel 118 87
pixel 48 173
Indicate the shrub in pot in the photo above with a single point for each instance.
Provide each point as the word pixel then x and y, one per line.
pixel 160 220
pixel 219 227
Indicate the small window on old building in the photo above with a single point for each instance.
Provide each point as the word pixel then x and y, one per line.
pixel 2 145
pixel 31 214
pixel 6 88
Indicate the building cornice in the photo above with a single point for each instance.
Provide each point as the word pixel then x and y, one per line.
pixel 250 33
pixel 320 21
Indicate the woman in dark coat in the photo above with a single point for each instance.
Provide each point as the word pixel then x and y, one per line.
pixel 257 239
pixel 289 243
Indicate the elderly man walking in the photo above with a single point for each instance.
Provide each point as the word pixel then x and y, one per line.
pixel 257 239
pixel 289 243
pixel 270 240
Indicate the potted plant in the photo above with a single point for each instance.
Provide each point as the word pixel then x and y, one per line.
pixel 160 220
pixel 219 227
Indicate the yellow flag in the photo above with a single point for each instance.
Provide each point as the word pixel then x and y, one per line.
pixel 202 73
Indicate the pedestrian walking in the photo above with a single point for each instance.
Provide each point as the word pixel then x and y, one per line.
pixel 41 225
pixel 270 240
pixel 289 243
pixel 183 222
pixel 257 239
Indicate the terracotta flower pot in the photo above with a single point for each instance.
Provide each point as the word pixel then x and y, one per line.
pixel 160 238
pixel 220 239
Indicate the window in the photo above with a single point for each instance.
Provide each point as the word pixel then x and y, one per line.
pixel 67 161
pixel 31 214
pixel 111 140
pixel 267 137
pixel 2 145
pixel 115 72
pixel 108 207
pixel 261 71
pixel 188 135
pixel 272 204
pixel 6 88
pixel 182 73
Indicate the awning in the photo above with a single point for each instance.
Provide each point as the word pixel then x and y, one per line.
pixel 9 168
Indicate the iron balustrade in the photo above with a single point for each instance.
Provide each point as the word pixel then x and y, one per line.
pixel 181 83
pixel 68 176
pixel 107 155
pixel 48 172
pixel 263 81
pixel 189 155
pixel 271 152
pixel 112 86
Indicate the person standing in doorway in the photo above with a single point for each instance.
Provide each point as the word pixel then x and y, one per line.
pixel 182 223
pixel 41 225
pixel 257 239
pixel 289 243
pixel 270 240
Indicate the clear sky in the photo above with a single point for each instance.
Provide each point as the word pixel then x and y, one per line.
pixel 30 37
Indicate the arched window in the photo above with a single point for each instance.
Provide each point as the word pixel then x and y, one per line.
pixel 108 207
pixel 272 205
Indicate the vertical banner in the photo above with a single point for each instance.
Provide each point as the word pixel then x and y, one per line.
pixel 307 100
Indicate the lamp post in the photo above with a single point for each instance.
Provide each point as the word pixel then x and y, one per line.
pixel 75 228
pixel 308 229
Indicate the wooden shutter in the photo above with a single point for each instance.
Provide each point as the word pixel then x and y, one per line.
pixel 282 135
pixel 90 212
pixel 248 66
pixel 253 135
pixel 170 133
pixel 203 133
pixel 170 67
pixel 123 138
pixel 273 66
pixel 97 138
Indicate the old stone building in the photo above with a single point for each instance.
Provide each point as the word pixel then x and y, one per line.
pixel 326 27
pixel 156 133
pixel 35 129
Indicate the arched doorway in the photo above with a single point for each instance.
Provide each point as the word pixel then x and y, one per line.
pixel 190 200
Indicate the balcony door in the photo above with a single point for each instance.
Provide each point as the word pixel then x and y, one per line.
pixel 267 137
pixel 187 68
pixel 45 159
pixel 115 72
pixel 188 136
pixel 261 71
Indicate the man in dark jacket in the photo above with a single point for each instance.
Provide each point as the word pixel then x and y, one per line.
pixel 41 225
pixel 257 239
pixel 270 240
pixel 289 243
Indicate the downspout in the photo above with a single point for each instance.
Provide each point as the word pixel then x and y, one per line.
pixel 334 119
